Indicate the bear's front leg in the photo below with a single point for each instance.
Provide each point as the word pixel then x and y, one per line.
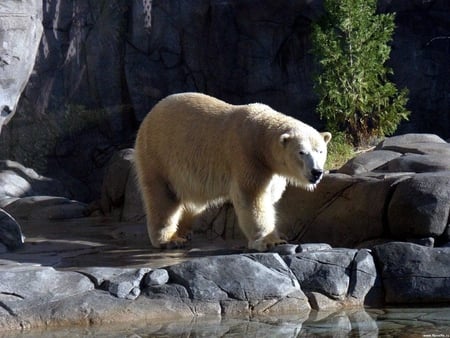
pixel 257 217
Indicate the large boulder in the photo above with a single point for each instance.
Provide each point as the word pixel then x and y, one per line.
pixel 413 273
pixel 342 211
pixel 26 286
pixel 420 206
pixel 241 277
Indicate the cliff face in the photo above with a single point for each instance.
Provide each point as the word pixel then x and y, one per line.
pixel 102 65
pixel 20 33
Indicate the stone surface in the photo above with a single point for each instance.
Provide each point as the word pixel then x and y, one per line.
pixel 27 286
pixel 413 273
pixel 418 163
pixel 363 277
pixel 10 233
pixel 46 207
pixel 420 205
pixel 343 210
pixel 240 277
pixel 368 161
pixel 115 180
pixel 157 277
pixel 326 272
pixel 20 33
pixel 17 180
pixel 418 139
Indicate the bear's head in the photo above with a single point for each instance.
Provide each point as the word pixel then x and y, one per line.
pixel 304 157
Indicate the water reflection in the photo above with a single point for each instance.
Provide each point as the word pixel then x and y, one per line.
pixel 406 322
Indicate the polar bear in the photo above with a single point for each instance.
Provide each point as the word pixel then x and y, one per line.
pixel 193 150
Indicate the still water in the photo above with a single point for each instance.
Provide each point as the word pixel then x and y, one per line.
pixel 388 322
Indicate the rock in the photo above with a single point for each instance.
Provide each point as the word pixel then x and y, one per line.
pixel 115 180
pixel 285 249
pixel 420 205
pixel 320 302
pixel 20 34
pixel 17 180
pixel 172 290
pixel 241 277
pixel 363 277
pixel 10 233
pixel 413 273
pixel 396 143
pixel 368 161
pixel 46 207
pixel 133 208
pixel 156 277
pixel 418 163
pixel 425 241
pixel 325 272
pixel 343 211
pixel 27 286
pixel 122 283
pixel 305 247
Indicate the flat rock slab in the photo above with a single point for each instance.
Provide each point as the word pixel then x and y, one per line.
pixel 25 286
pixel 240 277
pixel 414 274
pixel 368 161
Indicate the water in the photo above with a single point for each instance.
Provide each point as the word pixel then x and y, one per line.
pixel 388 322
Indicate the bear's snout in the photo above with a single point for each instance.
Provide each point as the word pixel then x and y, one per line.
pixel 316 175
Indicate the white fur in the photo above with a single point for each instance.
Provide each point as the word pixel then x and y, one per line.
pixel 193 150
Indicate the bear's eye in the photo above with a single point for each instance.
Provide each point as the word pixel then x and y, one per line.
pixel 303 153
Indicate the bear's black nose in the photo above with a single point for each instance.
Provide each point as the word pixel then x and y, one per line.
pixel 316 174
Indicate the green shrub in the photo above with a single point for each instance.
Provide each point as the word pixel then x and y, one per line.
pixel 351 45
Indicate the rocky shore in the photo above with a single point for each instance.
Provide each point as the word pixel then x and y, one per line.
pixel 75 269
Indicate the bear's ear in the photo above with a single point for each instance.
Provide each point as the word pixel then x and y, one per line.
pixel 326 137
pixel 284 139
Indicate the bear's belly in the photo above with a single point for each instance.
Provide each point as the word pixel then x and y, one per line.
pixel 200 188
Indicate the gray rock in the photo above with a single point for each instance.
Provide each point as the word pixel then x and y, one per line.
pixel 305 247
pixel 10 233
pixel 46 207
pixel 240 277
pixel 133 208
pixel 363 276
pixel 122 283
pixel 172 290
pixel 27 286
pixel 368 161
pixel 395 142
pixel 115 180
pixel 127 284
pixel 325 272
pixel 319 302
pixel 413 273
pixel 17 180
pixel 20 34
pixel 343 211
pixel 420 205
pixel 418 163
pixel 285 249
pixel 156 277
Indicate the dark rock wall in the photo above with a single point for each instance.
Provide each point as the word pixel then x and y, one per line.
pixel 103 64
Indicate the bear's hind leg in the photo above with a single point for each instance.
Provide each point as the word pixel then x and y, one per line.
pixel 164 211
